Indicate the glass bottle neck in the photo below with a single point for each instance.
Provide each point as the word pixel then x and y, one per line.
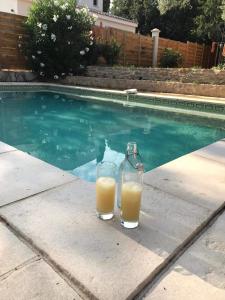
pixel 132 149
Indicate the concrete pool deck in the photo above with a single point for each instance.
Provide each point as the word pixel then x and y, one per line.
pixel 52 246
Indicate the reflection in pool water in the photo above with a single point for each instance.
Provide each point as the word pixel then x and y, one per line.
pixel 74 135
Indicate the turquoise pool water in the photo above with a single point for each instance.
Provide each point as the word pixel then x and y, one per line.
pixel 74 135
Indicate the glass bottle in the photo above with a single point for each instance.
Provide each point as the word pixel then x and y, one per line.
pixel 131 194
pixel 128 165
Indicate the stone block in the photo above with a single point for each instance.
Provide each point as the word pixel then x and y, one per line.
pixel 200 272
pixel 5 148
pixel 192 178
pixel 36 280
pixel 12 251
pixel 22 175
pixel 184 286
pixel 214 151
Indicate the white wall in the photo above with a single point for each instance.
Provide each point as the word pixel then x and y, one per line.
pixel 23 7
pixel 117 25
pixel 20 7
pixel 89 3
pixel 109 21
pixel 8 5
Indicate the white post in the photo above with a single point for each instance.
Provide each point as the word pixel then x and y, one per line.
pixel 155 37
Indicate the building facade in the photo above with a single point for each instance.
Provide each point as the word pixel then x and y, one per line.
pixel 92 4
pixel 18 7
pixel 21 7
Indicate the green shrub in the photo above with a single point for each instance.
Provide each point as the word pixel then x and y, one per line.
pixel 220 66
pixel 59 38
pixel 110 51
pixel 170 59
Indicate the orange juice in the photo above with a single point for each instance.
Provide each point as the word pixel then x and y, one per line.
pixel 105 194
pixel 131 201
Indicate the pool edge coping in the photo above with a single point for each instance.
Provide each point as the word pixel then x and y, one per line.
pixel 188 107
pixel 181 97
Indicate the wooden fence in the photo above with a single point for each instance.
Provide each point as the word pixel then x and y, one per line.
pixel 11 27
pixel 136 49
pixel 193 54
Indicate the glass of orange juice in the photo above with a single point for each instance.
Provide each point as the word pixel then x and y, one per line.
pixel 131 194
pixel 105 190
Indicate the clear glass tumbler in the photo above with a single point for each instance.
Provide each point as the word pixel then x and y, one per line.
pixel 105 190
pixel 131 194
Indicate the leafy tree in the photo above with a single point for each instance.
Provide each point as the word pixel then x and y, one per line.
pixel 223 10
pixel 106 5
pixel 193 20
pixel 177 22
pixel 174 20
pixel 208 20
pixel 124 8
pixel 166 5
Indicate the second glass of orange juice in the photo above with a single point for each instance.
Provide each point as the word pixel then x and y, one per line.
pixel 105 190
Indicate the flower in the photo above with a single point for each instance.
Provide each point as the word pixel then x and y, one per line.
pixel 91 38
pixel 42 73
pixel 56 3
pixel 33 56
pixel 68 17
pixel 19 45
pixel 44 26
pixel 55 18
pixel 77 10
pixel 56 77
pixel 68 42
pixel 63 74
pixel 85 10
pixel 90 32
pixel 53 37
pixel 70 27
pixel 64 6
pixel 87 49
pixel 91 43
pixel 39 25
pixel 43 34
pixel 20 37
pixel 42 65
pixel 39 52
pixel 82 52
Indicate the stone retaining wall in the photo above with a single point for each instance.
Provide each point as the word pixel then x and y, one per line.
pixel 208 90
pixel 19 76
pixel 207 76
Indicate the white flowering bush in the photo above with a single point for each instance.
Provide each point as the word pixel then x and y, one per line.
pixel 59 38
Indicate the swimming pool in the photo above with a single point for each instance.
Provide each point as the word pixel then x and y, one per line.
pixel 75 134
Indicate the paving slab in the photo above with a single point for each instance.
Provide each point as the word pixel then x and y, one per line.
pixel 193 178
pixel 214 151
pixel 22 175
pixel 200 271
pixel 35 281
pixel 12 251
pixel 177 286
pixel 6 148
pixel 109 261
